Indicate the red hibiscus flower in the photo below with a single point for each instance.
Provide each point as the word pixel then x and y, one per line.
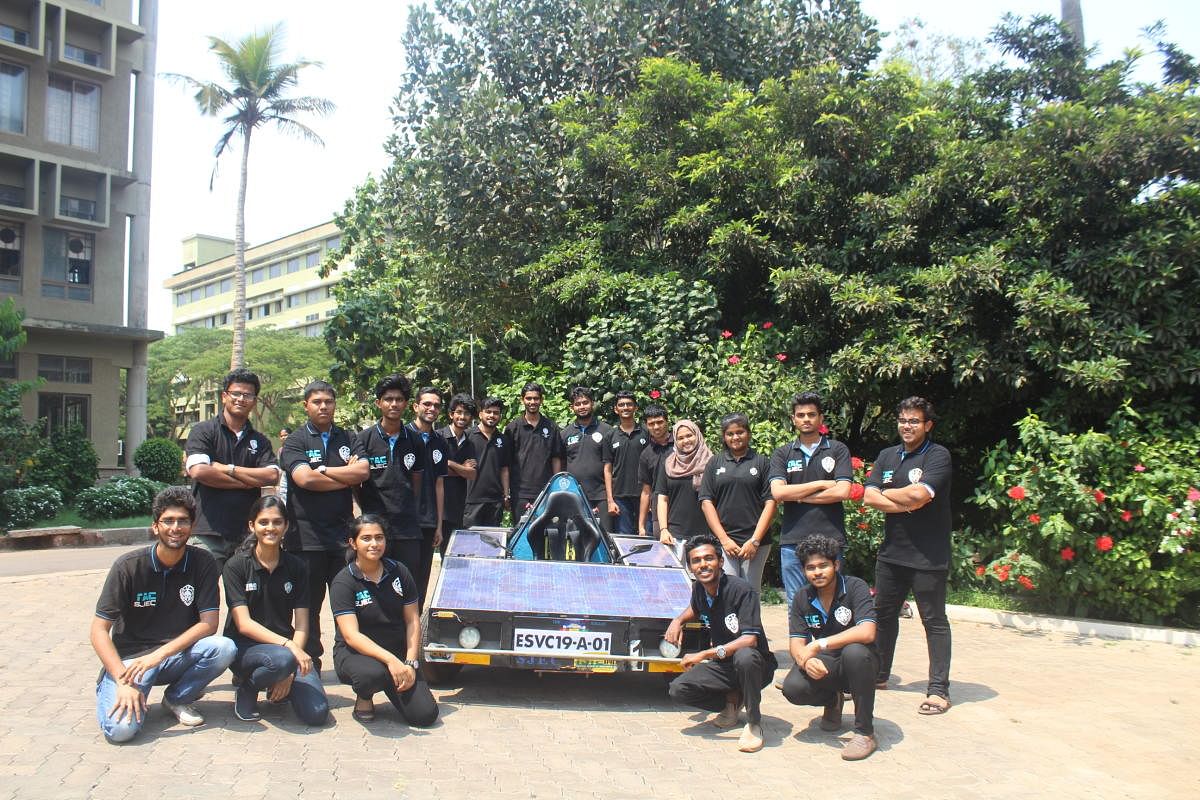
pixel 1035 519
pixel 856 462
pixel 1003 572
pixel 655 394
pixel 768 325
pixel 781 357
pixel 1104 543
pixel 735 359
pixel 857 491
pixel 1126 516
pixel 1139 467
pixel 1100 496
pixel 1067 553
pixel 824 429
pixel 1025 581
pixel 1016 492
pixel 981 571
pixel 1193 494
pixel 726 334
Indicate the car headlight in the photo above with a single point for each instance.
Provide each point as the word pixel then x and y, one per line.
pixel 469 637
pixel 668 650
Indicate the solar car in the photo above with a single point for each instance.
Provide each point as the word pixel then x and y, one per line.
pixel 556 593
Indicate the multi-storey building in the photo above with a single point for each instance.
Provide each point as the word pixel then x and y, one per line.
pixel 76 107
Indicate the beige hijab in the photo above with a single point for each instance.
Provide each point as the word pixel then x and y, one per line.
pixel 679 464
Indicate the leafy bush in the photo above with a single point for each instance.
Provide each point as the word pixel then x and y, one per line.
pixel 67 461
pixel 23 507
pixel 120 497
pixel 1097 523
pixel 159 460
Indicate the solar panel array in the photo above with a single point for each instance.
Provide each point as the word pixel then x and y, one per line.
pixel 561 587
pixel 471 543
pixel 659 554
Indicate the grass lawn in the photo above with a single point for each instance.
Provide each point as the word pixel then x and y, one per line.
pixel 69 516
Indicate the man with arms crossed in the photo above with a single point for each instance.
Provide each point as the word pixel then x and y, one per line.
pixel 323 463
pixel 588 459
pixel 625 444
pixel 489 493
pixel 460 465
pixel 160 604
pixel 537 450
pixel 910 484
pixel 810 477
pixel 432 494
pixel 229 462
pixel 658 448
pixel 732 672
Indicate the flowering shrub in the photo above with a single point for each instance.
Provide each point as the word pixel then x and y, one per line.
pixel 26 506
pixel 864 528
pixel 120 497
pixel 1101 523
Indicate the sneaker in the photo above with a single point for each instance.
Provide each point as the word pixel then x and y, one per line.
pixel 831 720
pixel 858 748
pixel 751 740
pixel 728 718
pixel 245 703
pixel 186 713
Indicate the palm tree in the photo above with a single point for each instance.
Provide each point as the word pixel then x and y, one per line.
pixel 255 95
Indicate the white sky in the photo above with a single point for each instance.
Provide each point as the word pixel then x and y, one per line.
pixel 294 185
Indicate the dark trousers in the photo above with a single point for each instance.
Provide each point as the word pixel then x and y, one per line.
pixel 261 666
pixel 449 526
pixel 626 524
pixel 425 565
pixel 851 669
pixel 407 552
pixel 368 676
pixel 892 584
pixel 707 684
pixel 322 565
pixel 605 519
pixel 483 515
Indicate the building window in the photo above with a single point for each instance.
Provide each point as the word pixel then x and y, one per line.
pixel 195 295
pixel 81 55
pixel 331 313
pixel 77 207
pixel 67 265
pixel 63 411
pixel 258 275
pixel 293 265
pixel 275 270
pixel 181 299
pixel 333 243
pixel 73 113
pixel 12 97
pixel 210 290
pixel 264 310
pixel 10 257
pixel 226 285
pixel 312 331
pixel 312 260
pixel 15 35
pixel 65 369
pixel 8 367
pixel 311 317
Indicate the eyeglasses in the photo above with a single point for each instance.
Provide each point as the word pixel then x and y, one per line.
pixel 910 422
pixel 174 522
pixel 247 396
pixel 428 404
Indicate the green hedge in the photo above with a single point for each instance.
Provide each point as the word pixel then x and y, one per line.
pixel 120 497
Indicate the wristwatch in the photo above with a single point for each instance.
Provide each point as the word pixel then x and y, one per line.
pixel 414 663
pixel 321 469
pixel 721 652
pixel 232 468
pixel 822 643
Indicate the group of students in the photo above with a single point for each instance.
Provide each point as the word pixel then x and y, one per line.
pixel 394 491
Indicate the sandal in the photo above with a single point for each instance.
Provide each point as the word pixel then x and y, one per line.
pixel 366 714
pixel 930 707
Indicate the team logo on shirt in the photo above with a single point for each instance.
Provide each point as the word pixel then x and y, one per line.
pixel 254 445
pixel 642 442
pixel 754 470
pixel 616 445
pixel 720 471
pixel 251 586
pixel 597 437
pixel 545 433
pixel 145 600
pixel 573 439
pixel 842 615
pixel 313 455
pixel 437 456
pixel 187 594
pixel 887 475
pixel 287 587
pixel 398 587
pixel 827 463
pixel 363 598
pixel 499 442
pixel 795 465
pixel 409 460
pixel 731 622
pixel 915 474
pixel 344 452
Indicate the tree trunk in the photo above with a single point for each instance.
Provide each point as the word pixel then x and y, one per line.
pixel 1072 18
pixel 238 357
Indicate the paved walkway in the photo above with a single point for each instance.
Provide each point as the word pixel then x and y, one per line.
pixel 1035 716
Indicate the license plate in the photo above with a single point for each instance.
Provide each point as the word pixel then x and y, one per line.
pixel 569 642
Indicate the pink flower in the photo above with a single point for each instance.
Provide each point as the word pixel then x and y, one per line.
pixel 1139 467
pixel 781 357
pixel 1067 553
pixel 726 334
pixel 768 325
pixel 1193 494
pixel 1016 492
pixel 1126 516
pixel 1100 496
pixel 856 462
pixel 735 359
pixel 1035 519
pixel 655 394
pixel 1104 543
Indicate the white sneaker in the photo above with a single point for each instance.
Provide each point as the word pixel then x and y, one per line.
pixel 186 713
pixel 751 740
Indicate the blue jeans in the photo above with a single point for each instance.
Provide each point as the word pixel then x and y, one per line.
pixel 186 675
pixel 792 570
pixel 260 666
pixel 626 524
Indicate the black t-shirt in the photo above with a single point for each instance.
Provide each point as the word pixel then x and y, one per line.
pixel 830 461
pixel 651 458
pixel 319 520
pixel 149 604
pixel 436 452
pixel 624 451
pixel 586 456
pixel 454 487
pixel 918 539
pixel 852 605
pixel 685 519
pixel 271 597
pixel 733 613
pixel 389 489
pixel 224 511
pixel 378 606
pixel 739 490
pixel 492 455
pixel 533 448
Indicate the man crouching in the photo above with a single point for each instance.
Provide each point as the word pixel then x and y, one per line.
pixel 732 673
